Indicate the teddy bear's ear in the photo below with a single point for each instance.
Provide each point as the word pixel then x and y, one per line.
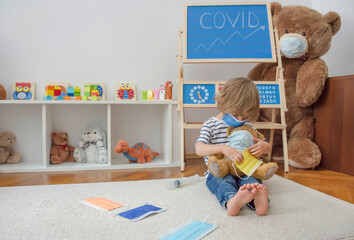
pixel 333 19
pixel 66 134
pixel 275 7
pixel 53 135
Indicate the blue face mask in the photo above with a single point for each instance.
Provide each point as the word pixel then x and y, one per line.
pixel 192 230
pixel 138 213
pixel 232 121
pixel 293 45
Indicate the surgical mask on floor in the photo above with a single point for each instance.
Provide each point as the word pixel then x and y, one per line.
pixel 192 230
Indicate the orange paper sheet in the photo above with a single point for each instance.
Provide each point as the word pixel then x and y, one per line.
pixel 102 203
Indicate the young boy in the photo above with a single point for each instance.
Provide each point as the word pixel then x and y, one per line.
pixel 240 98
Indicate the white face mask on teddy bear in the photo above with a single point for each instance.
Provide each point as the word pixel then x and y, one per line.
pixel 293 45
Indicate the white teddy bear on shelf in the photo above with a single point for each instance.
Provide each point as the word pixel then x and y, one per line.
pixel 92 146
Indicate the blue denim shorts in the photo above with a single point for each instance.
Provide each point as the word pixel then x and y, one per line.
pixel 227 187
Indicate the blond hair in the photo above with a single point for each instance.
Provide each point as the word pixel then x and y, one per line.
pixel 240 97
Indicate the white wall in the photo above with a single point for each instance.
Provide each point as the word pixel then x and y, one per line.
pixel 120 41
pixel 339 58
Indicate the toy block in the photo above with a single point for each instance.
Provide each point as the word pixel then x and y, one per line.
pixel 49 92
pixel 57 91
pixel 87 90
pixel 77 91
pixel 150 95
pixel 95 93
pixel 70 91
pixel 49 87
pixel 94 87
pixel 144 95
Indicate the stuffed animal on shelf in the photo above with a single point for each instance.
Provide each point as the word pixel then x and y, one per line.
pixel 3 94
pixel 140 152
pixel 241 138
pixel 305 36
pixel 92 146
pixel 61 151
pixel 168 90
pixel 7 154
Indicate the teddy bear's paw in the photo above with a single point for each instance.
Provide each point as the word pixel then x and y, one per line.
pixel 55 160
pixel 271 171
pixel 214 168
pixel 101 155
pixel 77 156
pixel 14 158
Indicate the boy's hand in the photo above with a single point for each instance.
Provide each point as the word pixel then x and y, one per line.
pixel 259 147
pixel 233 154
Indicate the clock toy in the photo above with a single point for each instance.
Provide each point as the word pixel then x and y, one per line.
pixel 198 94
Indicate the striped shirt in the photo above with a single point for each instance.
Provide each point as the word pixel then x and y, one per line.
pixel 213 132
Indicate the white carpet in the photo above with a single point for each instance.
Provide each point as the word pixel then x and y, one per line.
pixel 55 212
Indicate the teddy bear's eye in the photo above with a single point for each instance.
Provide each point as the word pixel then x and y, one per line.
pixel 8 139
pixel 286 31
pixel 303 34
pixel 95 132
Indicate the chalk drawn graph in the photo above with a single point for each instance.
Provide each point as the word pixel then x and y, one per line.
pixel 228 32
pixel 218 39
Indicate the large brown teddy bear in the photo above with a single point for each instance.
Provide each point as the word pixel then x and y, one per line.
pixel 7 153
pixel 61 151
pixel 305 36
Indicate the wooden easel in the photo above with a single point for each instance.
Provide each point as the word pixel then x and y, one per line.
pixel 279 81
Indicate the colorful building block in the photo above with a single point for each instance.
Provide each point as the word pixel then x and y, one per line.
pixel 77 91
pixel 70 91
pixel 57 91
pixel 87 90
pixel 95 93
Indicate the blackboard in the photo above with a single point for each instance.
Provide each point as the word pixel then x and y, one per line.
pixel 240 32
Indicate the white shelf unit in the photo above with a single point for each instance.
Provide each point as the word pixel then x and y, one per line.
pixel 33 122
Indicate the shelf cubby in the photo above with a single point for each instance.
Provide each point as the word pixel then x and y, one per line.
pixel 33 122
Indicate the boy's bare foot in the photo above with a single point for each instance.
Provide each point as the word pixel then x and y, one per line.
pixel 261 199
pixel 242 197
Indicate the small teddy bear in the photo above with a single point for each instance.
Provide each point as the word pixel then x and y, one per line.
pixel 220 166
pixel 92 146
pixel 3 94
pixel 7 154
pixel 61 151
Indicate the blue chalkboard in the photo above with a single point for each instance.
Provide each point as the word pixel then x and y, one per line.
pixel 228 33
pixel 268 94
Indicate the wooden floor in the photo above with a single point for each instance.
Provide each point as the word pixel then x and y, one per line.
pixel 332 183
